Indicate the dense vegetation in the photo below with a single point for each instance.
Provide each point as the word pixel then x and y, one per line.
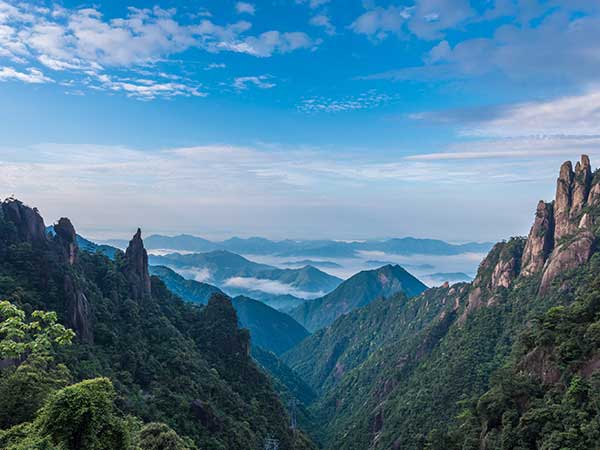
pixel 169 361
pixel 357 291
pixel 548 397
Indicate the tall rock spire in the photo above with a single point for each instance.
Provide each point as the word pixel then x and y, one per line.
pixel 581 184
pixel 540 241
pixel 136 268
pixel 562 203
pixel 572 191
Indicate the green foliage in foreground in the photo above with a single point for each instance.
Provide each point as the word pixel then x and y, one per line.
pixel 83 416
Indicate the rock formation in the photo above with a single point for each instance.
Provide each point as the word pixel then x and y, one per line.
pixel 28 222
pixel 572 190
pixel 540 240
pixel 67 240
pixel 78 310
pixel 566 256
pixel 136 268
pixel 562 239
pixel 498 270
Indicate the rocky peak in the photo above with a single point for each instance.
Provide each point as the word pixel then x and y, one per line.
pixel 572 191
pixel 581 184
pixel 136 267
pixel 66 239
pixel 28 222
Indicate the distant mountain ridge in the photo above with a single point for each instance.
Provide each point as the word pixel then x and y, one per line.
pixel 359 290
pixel 312 248
pixel 237 275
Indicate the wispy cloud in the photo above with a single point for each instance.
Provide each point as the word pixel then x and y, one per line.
pixel 30 75
pixel 264 190
pixel 261 82
pixel 323 21
pixel 313 4
pixel 568 116
pixel 367 100
pixel 245 8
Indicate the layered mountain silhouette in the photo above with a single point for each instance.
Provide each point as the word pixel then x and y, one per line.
pixel 310 248
pixel 236 275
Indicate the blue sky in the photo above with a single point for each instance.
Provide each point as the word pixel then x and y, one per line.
pixel 296 118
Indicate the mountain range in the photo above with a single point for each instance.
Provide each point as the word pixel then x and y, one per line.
pixel 236 275
pixel 139 354
pixel 508 361
pixel 311 248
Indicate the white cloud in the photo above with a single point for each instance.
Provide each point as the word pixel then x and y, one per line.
pixel 380 22
pixel 245 8
pixel 86 43
pixel 262 82
pixel 269 287
pixel 561 48
pixel 574 115
pixel 323 21
pixel 313 4
pixel 31 75
pixel 426 19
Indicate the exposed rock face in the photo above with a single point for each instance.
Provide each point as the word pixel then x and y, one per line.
pixel 572 191
pixel 28 222
pixel 581 185
pixel 594 195
pixel 538 363
pixel 567 256
pixel 540 240
pixel 498 270
pixel 67 239
pixel 562 203
pixel 136 268
pixel 78 309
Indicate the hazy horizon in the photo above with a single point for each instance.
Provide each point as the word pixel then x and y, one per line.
pixel 296 119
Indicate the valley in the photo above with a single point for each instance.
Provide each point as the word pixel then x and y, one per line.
pixel 376 361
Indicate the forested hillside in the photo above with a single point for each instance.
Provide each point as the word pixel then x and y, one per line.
pixel 509 361
pixel 169 361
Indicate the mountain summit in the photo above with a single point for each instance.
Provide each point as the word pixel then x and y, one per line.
pixel 359 290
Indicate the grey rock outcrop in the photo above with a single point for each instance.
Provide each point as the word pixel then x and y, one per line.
pixel 136 268
pixel 567 256
pixel 28 222
pixel 540 241
pixel 67 240
pixel 572 191
pixel 498 270
pixel 78 310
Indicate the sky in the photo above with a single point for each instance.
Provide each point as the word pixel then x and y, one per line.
pixel 342 119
